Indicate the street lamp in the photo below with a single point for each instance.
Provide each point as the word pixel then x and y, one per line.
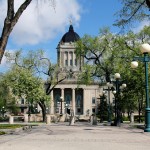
pixel 119 86
pixel 145 49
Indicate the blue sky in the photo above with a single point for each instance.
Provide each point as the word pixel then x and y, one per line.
pixel 42 27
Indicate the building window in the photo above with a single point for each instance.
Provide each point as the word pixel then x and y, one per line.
pixel 66 58
pixel 71 64
pixel 66 62
pixel 78 110
pixel 78 100
pixel 93 110
pixel 68 99
pixel 75 62
pixel 93 100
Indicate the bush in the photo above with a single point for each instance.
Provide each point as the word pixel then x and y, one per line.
pixel 124 118
pixel 3 119
pixel 136 118
pixel 2 132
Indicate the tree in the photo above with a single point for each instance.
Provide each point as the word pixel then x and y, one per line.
pixel 26 75
pixel 133 10
pixel 11 20
pixel 25 85
pixel 103 109
pixel 107 54
pixel 7 101
pixel 96 51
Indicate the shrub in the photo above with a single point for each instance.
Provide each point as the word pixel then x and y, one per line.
pixel 125 118
pixel 2 132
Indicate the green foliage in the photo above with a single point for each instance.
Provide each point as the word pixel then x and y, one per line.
pixel 86 77
pixel 24 77
pixel 6 99
pixel 107 54
pixel 2 119
pixel 124 118
pixel 103 109
pixel 2 132
pixel 136 118
pixel 131 12
pixel 24 84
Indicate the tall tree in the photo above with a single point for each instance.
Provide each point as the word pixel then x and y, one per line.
pixel 133 10
pixel 96 51
pixel 25 85
pixel 29 69
pixel 11 20
pixel 113 53
pixel 7 101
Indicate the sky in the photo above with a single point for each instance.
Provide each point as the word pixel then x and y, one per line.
pixel 42 26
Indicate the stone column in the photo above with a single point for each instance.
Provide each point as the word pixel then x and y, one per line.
pixel 93 120
pixel 59 53
pixel 62 59
pixel 132 117
pixel 62 95
pixel 52 104
pixel 11 119
pixel 25 117
pixel 48 119
pixel 84 99
pixel 73 63
pixel 69 57
pixel 73 101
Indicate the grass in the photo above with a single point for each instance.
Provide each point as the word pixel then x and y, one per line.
pixel 2 132
pixel 10 126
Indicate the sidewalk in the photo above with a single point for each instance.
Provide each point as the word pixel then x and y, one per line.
pixel 81 136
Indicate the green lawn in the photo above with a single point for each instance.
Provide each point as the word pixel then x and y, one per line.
pixel 10 126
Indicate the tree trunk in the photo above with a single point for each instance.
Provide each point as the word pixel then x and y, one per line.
pixel 43 107
pixel 9 23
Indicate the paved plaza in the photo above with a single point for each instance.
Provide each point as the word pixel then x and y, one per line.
pixel 81 136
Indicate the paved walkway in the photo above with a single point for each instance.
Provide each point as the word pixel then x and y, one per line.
pixel 81 136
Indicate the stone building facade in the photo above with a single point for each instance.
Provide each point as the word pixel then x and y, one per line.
pixel 68 95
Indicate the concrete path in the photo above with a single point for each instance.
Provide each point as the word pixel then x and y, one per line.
pixel 81 136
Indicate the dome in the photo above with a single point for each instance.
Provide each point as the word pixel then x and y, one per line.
pixel 70 36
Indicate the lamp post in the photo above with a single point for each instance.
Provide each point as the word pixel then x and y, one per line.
pixel 119 86
pixel 145 49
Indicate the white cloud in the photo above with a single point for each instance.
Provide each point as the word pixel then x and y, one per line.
pixel 41 22
pixel 4 66
pixel 141 25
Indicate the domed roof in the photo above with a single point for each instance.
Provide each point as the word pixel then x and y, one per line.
pixel 70 36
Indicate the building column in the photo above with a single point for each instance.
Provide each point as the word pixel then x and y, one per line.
pixel 73 64
pixel 52 104
pixel 73 101
pixel 62 95
pixel 62 59
pixel 69 57
pixel 84 101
